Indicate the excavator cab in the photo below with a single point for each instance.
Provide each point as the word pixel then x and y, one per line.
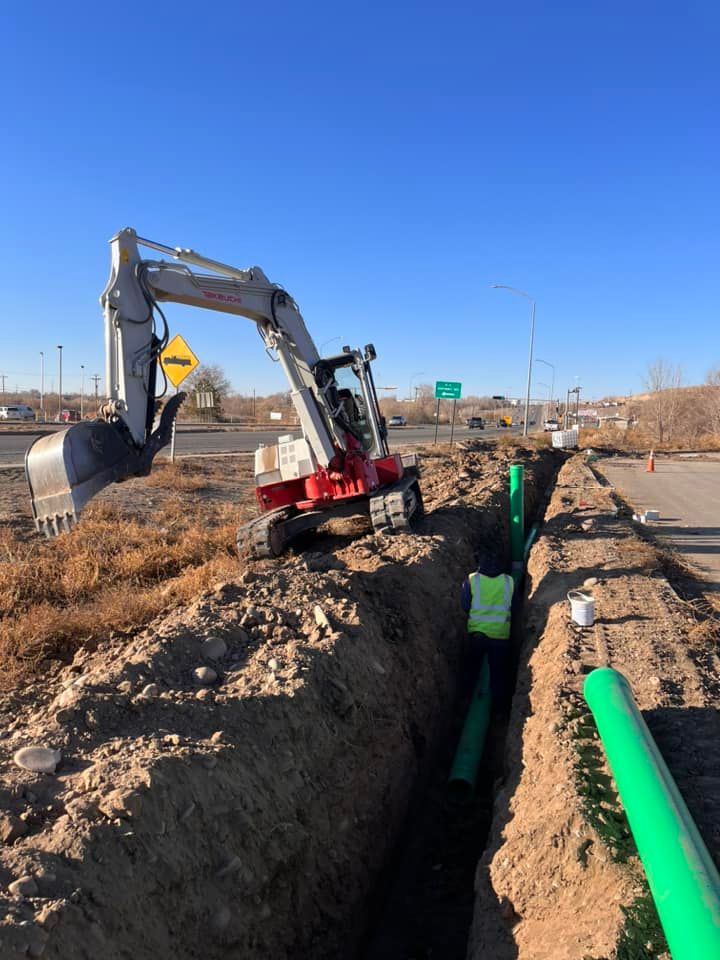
pixel 359 412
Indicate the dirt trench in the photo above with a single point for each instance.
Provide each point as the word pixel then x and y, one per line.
pixel 234 777
pixel 560 878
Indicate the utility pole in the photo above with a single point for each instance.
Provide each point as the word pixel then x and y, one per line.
pixel 82 391
pixel 96 380
pixel 42 385
pixel 3 378
pixel 60 382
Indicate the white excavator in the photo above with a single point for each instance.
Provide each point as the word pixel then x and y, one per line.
pixel 341 465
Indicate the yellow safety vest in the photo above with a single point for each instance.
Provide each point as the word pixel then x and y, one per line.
pixel 490 607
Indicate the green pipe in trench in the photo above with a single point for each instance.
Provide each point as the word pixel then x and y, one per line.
pixel 529 542
pixel 682 876
pixel 472 739
pixel 517 520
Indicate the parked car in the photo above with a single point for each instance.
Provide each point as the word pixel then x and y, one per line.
pixel 397 421
pixel 475 423
pixel 18 411
pixel 550 425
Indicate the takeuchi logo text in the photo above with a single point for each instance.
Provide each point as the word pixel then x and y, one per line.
pixel 223 297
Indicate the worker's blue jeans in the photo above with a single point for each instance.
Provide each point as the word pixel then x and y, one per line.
pixel 498 653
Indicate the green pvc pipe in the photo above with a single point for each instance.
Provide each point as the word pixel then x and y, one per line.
pixel 683 878
pixel 530 540
pixel 517 520
pixel 472 739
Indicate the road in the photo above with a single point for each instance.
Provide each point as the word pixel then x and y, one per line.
pixel 190 443
pixel 687 494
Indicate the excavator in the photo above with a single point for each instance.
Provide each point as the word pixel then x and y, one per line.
pixel 340 466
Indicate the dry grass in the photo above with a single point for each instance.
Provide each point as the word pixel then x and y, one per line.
pixel 111 573
pixel 613 440
pixel 638 554
pixel 191 476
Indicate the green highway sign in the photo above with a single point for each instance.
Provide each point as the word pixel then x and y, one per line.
pixel 497 396
pixel 447 390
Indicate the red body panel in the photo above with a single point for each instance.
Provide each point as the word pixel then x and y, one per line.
pixel 350 475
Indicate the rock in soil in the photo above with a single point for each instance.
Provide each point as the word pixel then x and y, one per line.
pixel 38 759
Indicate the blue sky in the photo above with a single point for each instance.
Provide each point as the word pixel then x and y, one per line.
pixel 385 163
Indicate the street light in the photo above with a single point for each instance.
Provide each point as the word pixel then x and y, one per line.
pixel 331 340
pixel 420 373
pixel 82 391
pixel 60 382
pixel 521 293
pixel 42 385
pixel 552 367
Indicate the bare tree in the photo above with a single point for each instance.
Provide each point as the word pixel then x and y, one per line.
pixel 210 378
pixel 663 381
pixel 712 397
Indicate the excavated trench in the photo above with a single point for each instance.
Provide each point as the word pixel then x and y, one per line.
pixel 424 902
pixel 294 806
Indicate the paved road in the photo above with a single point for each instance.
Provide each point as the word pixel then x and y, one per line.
pixel 13 446
pixel 687 494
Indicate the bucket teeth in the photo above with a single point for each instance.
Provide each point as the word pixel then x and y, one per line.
pixel 54 526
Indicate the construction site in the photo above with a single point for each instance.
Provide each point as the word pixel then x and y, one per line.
pixel 247 757
pixel 359 482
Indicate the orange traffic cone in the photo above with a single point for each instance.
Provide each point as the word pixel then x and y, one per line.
pixel 650 468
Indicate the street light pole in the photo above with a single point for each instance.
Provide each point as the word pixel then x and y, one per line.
pixel 326 342
pixel 60 382
pixel 419 373
pixel 82 391
pixel 521 293
pixel 552 367
pixel 42 384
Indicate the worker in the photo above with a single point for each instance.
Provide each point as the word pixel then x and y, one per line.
pixel 487 599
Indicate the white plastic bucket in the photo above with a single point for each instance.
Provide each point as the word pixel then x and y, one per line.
pixel 582 608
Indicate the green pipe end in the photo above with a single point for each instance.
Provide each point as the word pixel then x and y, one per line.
pixel 602 681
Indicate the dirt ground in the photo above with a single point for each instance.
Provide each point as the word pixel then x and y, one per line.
pixel 231 778
pixel 554 881
pixel 209 482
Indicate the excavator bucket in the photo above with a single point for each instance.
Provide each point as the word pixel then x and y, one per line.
pixel 65 469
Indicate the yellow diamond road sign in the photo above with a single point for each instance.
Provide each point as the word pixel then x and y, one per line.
pixel 178 361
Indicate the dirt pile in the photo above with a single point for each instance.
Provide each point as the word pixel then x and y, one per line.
pixel 560 871
pixel 233 776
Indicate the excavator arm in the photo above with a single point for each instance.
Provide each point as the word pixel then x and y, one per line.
pixel 132 348
pixel 66 469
